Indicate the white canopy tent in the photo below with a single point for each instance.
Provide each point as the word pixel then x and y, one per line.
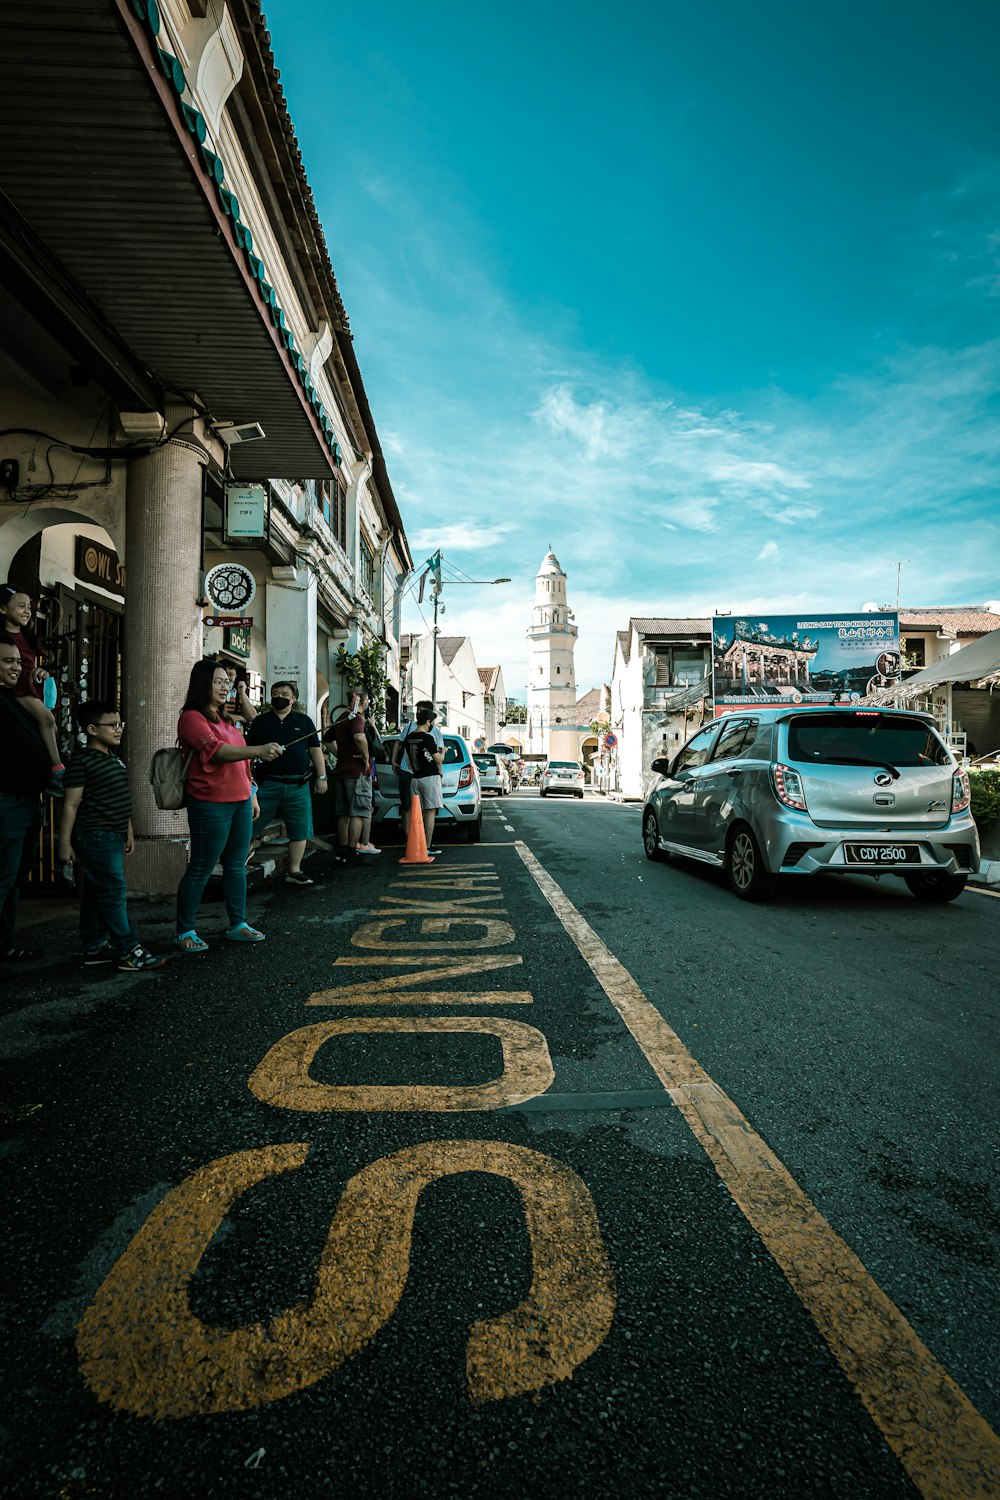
pixel 978 664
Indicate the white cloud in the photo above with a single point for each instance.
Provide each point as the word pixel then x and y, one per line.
pixel 455 537
pixel 502 438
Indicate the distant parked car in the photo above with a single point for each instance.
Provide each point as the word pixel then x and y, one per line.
pixel 561 776
pixel 493 774
pixel 463 802
pixel 783 791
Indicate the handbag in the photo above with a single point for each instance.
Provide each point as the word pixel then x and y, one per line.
pixel 167 775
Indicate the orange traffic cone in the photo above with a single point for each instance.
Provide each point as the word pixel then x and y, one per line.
pixel 416 844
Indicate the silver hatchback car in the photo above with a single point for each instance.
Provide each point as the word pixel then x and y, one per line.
pixel 799 791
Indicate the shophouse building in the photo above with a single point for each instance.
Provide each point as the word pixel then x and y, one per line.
pixel 494 703
pixel 967 713
pixel 178 381
pixel 661 688
pixel 452 682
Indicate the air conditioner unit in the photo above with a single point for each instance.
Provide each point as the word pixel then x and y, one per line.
pixel 232 433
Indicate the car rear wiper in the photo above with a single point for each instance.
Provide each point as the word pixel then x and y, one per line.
pixel 858 760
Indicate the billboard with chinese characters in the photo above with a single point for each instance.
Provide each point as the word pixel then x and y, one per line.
pixel 790 659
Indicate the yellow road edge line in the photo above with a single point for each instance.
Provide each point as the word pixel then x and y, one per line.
pixel 977 890
pixel 946 1447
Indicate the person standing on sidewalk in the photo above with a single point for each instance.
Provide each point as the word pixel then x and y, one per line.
pixel 352 785
pixel 284 790
pixel 401 763
pixel 220 798
pixel 376 752
pixel 15 620
pixel 25 766
pixel 95 833
pixel 426 760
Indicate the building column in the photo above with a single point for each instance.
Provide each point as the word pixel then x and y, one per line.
pixel 163 636
pixel 291 635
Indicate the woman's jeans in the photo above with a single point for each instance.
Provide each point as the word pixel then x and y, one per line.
pixel 219 831
pixel 103 899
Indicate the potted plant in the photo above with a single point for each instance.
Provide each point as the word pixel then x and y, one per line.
pixel 985 783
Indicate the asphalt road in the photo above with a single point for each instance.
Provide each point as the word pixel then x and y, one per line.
pixel 576 1176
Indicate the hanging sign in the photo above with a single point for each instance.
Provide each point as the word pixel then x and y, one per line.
pixel 230 586
pixel 245 512
pixel 236 640
pixel 98 564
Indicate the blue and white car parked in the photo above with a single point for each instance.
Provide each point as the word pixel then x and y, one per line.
pixel 463 798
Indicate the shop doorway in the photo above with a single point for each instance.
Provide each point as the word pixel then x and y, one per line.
pixel 80 642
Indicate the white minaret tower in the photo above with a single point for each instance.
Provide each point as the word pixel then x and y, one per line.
pixel 552 729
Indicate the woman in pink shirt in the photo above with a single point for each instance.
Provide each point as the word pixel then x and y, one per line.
pixel 221 805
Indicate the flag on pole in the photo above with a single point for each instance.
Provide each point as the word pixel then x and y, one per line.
pixel 423 580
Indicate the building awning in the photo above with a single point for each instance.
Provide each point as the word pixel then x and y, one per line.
pixel 684 698
pixel 979 662
pixel 106 168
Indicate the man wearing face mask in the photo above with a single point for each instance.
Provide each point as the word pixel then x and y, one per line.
pixel 283 785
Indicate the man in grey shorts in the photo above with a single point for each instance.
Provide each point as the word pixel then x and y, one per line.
pixel 425 760
pixel 352 784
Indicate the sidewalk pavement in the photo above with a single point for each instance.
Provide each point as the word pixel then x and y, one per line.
pixel 989 874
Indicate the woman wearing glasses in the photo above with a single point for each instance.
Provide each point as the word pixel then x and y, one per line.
pixel 221 804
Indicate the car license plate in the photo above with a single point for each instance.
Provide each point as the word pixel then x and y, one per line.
pixel 882 854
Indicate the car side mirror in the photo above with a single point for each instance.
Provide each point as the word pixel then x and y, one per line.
pixel 661 766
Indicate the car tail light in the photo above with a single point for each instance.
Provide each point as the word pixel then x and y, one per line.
pixel 961 791
pixel 465 776
pixel 788 787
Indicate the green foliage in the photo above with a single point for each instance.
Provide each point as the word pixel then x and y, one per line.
pixel 516 713
pixel 365 668
pixel 985 795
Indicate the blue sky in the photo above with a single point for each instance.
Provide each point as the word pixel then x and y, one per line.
pixel 708 297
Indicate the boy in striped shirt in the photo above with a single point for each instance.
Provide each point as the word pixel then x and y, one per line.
pixel 95 834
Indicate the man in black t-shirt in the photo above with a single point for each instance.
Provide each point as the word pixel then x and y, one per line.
pixel 283 786
pixel 25 767
pixel 426 760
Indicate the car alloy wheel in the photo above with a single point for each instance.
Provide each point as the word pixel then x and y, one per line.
pixel 745 867
pixel 651 837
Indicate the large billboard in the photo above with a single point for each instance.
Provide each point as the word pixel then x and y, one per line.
pixel 833 659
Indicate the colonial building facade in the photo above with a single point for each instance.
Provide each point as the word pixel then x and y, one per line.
pixel 172 334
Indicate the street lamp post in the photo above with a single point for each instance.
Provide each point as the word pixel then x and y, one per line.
pixel 437 587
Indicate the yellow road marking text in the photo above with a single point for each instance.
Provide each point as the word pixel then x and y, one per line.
pixel 142 1350
pixel 282 1078
pixel 945 1446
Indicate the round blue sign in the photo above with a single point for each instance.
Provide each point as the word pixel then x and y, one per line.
pixel 610 741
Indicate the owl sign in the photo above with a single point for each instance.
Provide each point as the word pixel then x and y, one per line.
pixel 230 586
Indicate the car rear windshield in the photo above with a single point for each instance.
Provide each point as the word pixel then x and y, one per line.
pixel 864 739
pixel 563 765
pixel 485 762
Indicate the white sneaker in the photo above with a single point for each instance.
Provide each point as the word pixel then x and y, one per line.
pixel 368 849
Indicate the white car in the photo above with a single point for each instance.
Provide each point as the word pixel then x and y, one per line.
pixel 493 774
pixel 562 776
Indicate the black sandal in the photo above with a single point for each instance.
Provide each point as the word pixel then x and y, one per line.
pixel 21 955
